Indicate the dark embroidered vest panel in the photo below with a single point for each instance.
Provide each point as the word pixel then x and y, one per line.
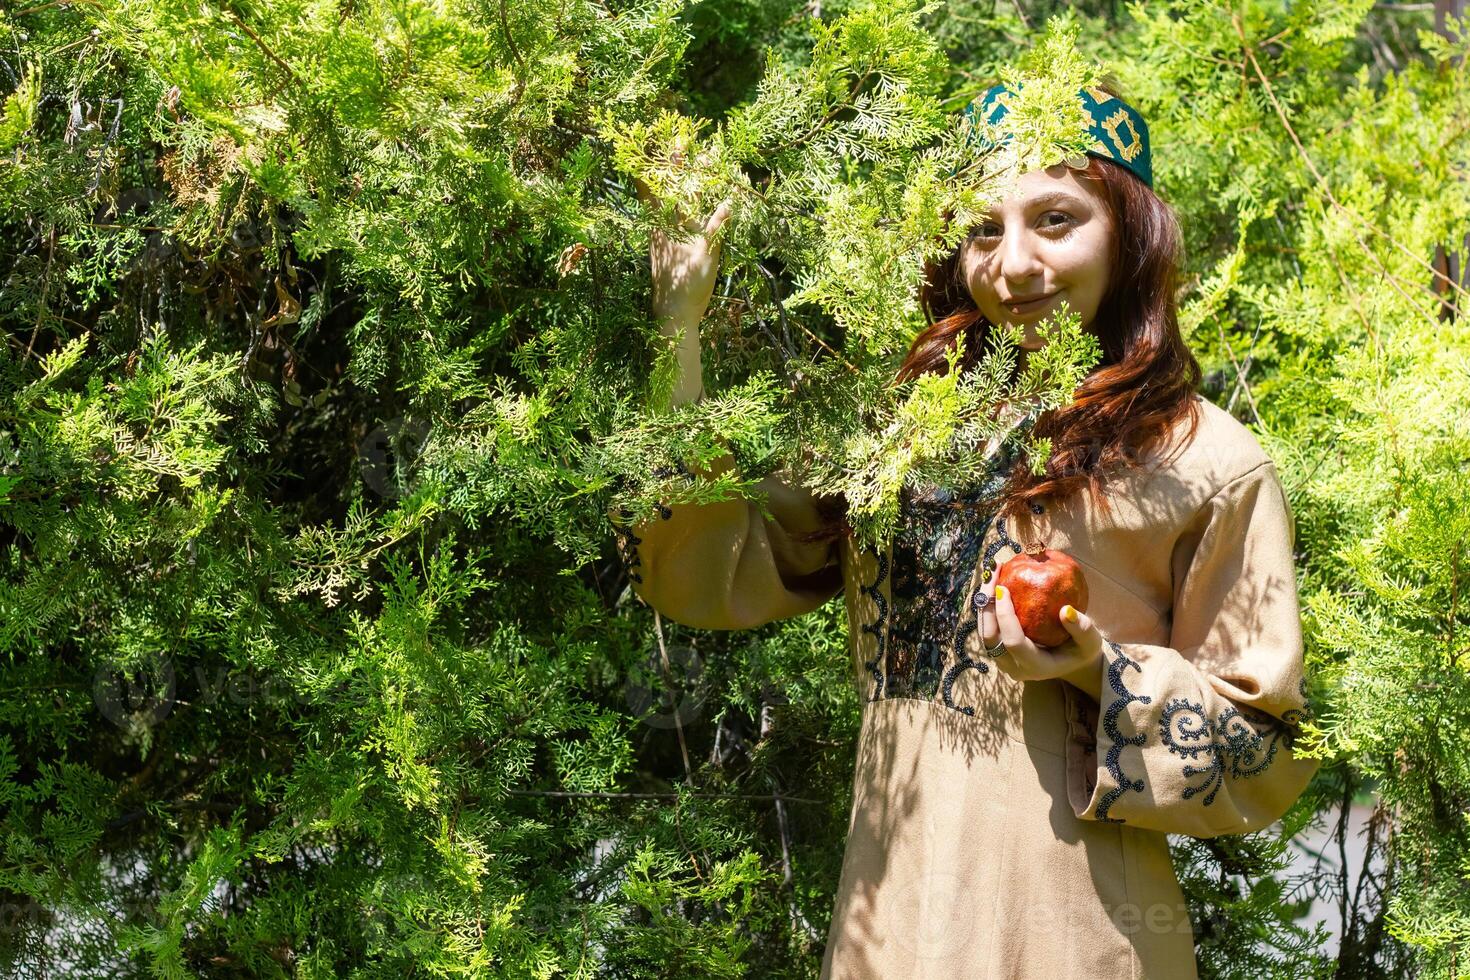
pixel 921 632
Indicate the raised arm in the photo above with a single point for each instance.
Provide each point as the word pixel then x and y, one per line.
pixel 723 565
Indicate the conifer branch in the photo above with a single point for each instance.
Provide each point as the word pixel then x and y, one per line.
pixel 515 53
pixel 668 677
pixel 56 3
pixel 1241 383
pixel 1332 198
pixel 265 48
pixel 816 127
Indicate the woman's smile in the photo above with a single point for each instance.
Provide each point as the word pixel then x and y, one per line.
pixel 1036 305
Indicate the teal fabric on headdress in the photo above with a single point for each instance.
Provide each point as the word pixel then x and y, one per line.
pixel 1119 132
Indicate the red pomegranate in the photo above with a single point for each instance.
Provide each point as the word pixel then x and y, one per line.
pixel 1041 581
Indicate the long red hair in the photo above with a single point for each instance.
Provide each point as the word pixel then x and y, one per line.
pixel 1146 380
pixel 1143 386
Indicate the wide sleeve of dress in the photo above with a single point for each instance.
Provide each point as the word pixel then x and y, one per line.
pixel 727 566
pixel 1196 737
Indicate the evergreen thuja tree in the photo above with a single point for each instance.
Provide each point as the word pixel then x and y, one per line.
pixel 328 348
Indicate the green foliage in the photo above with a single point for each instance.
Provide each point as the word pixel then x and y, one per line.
pixel 328 347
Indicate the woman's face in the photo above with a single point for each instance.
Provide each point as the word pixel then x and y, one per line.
pixel 1049 241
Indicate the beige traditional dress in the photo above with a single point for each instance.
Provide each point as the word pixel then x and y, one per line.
pixel 1007 829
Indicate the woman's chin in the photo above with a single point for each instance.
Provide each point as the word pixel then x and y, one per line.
pixel 1032 339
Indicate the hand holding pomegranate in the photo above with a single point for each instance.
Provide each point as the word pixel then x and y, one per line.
pixel 1041 582
pixel 1034 614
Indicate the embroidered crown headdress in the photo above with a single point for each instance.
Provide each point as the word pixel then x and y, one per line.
pixel 1119 132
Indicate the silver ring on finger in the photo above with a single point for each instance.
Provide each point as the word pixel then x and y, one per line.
pixel 994 651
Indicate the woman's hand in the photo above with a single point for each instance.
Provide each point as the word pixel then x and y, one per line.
pixel 1079 661
pixel 684 272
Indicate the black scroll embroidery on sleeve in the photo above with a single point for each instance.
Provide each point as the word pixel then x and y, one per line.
pixel 1188 732
pixel 1250 751
pixel 626 540
pixel 628 543
pixel 1118 741
pixel 1293 717
pixel 879 626
pixel 1230 742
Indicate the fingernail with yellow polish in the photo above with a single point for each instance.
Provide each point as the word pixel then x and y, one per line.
pixel 1069 614
pixel 1000 592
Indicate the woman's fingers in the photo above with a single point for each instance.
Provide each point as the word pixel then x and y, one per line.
pixel 989 629
pixel 677 156
pixel 1087 639
pixel 707 227
pixel 686 213
pixel 718 218
pixel 1011 633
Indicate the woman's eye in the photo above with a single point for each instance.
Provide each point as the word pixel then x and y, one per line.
pixel 1051 219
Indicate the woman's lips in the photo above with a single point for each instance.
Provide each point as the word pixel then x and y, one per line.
pixel 1040 302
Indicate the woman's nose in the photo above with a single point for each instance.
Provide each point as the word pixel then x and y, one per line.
pixel 1019 260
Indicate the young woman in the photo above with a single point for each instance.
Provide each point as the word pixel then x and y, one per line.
pixel 1011 801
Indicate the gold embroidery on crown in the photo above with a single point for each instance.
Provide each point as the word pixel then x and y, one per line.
pixel 1002 103
pixel 1111 124
pixel 1099 96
